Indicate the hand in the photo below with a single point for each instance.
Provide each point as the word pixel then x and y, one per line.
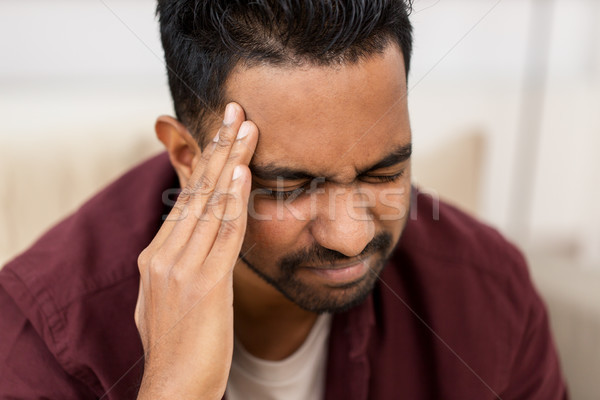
pixel 184 312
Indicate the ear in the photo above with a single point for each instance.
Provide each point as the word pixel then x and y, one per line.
pixel 183 149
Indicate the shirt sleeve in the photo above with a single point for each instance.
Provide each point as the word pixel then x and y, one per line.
pixel 28 369
pixel 535 369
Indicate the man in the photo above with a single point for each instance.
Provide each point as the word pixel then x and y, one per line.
pixel 297 262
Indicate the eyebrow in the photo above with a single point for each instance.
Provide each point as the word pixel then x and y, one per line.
pixel 397 156
pixel 271 172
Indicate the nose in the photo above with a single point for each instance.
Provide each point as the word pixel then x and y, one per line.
pixel 342 224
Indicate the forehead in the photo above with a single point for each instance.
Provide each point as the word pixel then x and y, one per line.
pixel 329 120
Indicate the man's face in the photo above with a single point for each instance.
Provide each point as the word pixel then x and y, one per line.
pixel 331 176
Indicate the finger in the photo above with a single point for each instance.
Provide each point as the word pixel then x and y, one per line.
pixel 215 206
pixel 207 226
pixel 180 209
pixel 224 252
pixel 205 183
pixel 202 184
pixel 184 197
pixel 241 154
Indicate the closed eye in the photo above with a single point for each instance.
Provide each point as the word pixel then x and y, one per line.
pixel 382 178
pixel 283 194
pixel 293 193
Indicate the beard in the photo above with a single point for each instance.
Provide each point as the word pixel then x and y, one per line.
pixel 320 298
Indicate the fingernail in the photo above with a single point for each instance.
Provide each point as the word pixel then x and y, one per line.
pixel 244 131
pixel 216 138
pixel 237 172
pixel 229 114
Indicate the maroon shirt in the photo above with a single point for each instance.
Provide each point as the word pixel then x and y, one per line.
pixel 454 315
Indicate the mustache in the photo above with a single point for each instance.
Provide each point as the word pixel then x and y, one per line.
pixel 319 255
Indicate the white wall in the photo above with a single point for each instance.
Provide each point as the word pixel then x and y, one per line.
pixel 96 64
pixel 481 83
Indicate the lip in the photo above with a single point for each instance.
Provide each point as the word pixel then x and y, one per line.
pixel 341 273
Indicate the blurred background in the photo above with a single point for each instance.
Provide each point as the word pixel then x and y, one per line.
pixel 505 108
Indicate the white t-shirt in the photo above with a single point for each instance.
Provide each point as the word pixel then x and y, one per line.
pixel 301 376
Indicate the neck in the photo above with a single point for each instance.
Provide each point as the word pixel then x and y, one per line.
pixel 268 325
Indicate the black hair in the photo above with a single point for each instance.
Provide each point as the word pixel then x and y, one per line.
pixel 204 40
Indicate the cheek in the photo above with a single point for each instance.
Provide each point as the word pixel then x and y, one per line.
pixel 393 206
pixel 275 229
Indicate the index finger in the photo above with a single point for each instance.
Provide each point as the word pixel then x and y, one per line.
pixel 202 182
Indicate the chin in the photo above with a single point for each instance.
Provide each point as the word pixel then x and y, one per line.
pixel 322 296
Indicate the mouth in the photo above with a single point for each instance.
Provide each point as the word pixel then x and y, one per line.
pixel 341 273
